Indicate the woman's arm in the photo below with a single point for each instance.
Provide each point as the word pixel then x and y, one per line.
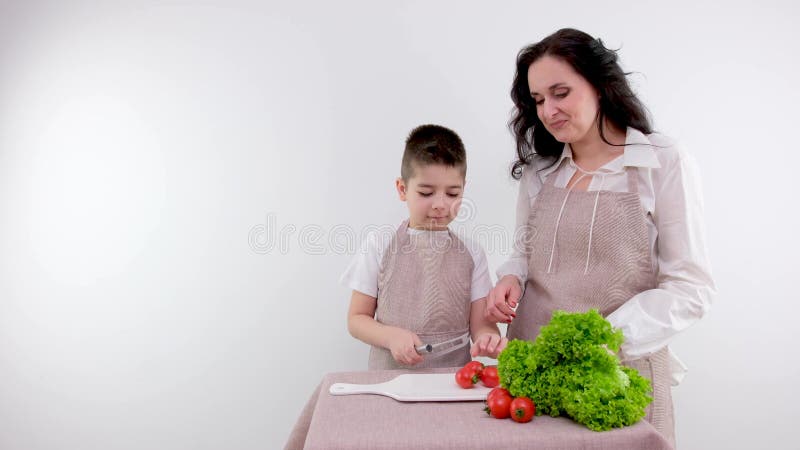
pixel 685 287
pixel 512 274
pixel 517 264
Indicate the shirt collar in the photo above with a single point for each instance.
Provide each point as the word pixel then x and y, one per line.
pixel 550 168
pixel 638 152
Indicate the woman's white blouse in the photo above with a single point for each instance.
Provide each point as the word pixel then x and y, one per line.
pixel 670 193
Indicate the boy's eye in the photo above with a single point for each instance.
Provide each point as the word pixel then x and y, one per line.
pixel 452 195
pixel 425 194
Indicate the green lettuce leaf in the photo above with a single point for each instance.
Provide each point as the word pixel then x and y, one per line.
pixel 571 369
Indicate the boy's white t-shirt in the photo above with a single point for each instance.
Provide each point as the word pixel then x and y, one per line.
pixel 362 273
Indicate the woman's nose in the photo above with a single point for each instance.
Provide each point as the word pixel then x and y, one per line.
pixel 549 108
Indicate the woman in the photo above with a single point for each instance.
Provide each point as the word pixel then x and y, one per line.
pixel 609 214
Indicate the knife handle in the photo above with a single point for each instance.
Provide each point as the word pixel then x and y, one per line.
pixel 424 348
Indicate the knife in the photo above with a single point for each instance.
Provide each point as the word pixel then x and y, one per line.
pixel 443 348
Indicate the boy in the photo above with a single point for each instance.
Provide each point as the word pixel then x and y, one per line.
pixel 427 285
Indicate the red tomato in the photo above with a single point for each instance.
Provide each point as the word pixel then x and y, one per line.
pixel 489 377
pixel 466 377
pixel 476 365
pixel 522 409
pixel 497 391
pixel 498 405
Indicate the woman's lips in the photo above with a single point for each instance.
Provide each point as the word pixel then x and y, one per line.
pixel 558 124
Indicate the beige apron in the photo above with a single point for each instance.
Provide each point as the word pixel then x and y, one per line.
pixel 424 286
pixel 590 249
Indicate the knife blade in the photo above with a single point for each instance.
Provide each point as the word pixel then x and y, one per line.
pixel 445 347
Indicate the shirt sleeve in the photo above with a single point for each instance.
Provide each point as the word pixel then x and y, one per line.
pixel 517 264
pixel 685 287
pixel 481 279
pixel 362 273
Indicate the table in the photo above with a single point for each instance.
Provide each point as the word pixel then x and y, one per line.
pixel 379 422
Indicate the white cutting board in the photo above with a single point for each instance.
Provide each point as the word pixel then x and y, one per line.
pixel 417 387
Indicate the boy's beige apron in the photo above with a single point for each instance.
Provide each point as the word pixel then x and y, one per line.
pixel 591 250
pixel 425 286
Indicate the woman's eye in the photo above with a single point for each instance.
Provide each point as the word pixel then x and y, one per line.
pixel 562 94
pixel 539 101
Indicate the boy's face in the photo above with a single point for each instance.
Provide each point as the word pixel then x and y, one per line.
pixel 433 195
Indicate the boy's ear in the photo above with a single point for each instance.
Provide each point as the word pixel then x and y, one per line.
pixel 401 188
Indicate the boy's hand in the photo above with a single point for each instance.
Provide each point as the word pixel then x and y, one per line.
pixel 502 299
pixel 402 344
pixel 488 345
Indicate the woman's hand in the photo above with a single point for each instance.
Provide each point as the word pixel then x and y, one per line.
pixel 488 345
pixel 502 299
pixel 402 343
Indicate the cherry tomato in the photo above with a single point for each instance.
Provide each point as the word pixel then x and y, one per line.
pixel 522 409
pixel 497 391
pixel 489 377
pixel 466 378
pixel 499 406
pixel 476 365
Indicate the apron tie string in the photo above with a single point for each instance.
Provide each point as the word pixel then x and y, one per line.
pixel 584 173
pixel 558 221
pixel 591 225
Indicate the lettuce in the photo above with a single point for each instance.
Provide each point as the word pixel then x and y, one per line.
pixel 569 371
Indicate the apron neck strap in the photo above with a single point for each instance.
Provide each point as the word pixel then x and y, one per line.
pixel 551 177
pixel 633 179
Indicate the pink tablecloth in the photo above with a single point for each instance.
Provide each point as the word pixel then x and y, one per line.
pixel 378 422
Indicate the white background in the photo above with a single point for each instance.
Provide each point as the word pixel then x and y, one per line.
pixel 150 153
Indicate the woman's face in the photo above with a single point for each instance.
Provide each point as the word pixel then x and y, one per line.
pixel 566 103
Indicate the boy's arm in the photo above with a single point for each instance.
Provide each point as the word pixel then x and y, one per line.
pixel 486 339
pixel 362 325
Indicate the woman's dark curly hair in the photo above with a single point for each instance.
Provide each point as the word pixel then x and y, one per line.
pixel 594 62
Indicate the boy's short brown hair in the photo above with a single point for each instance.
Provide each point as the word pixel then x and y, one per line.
pixel 432 144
